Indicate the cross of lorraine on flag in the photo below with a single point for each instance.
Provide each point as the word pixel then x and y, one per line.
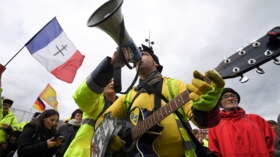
pixel 49 96
pixel 54 50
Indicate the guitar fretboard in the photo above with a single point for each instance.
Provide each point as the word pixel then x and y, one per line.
pixel 162 113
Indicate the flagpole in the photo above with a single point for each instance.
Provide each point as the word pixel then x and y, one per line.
pixel 29 112
pixel 14 56
pixel 32 106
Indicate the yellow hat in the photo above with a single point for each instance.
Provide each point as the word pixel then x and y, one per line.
pixel 67 119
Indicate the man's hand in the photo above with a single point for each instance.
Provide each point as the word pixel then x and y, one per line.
pixel 204 95
pixel 115 57
pixel 5 126
pixel 115 144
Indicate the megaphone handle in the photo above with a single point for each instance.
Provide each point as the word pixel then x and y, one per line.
pixel 121 38
pixel 133 82
pixel 117 77
pixel 117 66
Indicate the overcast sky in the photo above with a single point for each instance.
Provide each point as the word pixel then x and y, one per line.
pixel 189 35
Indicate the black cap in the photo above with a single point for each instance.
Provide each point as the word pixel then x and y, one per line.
pixel 8 101
pixel 272 122
pixel 36 114
pixel 151 52
pixel 230 90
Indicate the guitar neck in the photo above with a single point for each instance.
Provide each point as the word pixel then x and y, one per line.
pixel 162 113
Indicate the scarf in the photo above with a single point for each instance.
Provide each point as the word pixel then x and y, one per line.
pixel 74 122
pixel 151 80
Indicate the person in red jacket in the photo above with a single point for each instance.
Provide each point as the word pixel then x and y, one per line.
pixel 239 134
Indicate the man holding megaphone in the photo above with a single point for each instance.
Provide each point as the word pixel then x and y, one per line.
pixel 173 139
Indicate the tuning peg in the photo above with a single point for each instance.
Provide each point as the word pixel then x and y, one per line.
pixel 243 79
pixel 259 70
pixel 226 60
pixel 276 61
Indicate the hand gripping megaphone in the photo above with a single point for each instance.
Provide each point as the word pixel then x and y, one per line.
pixel 109 19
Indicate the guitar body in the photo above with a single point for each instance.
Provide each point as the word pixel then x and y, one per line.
pixel 143 145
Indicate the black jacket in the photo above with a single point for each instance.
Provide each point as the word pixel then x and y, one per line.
pixel 4 153
pixel 31 144
pixel 68 132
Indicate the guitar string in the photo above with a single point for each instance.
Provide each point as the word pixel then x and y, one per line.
pixel 183 94
pixel 236 56
pixel 226 71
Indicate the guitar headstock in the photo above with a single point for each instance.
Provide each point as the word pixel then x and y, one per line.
pixel 252 56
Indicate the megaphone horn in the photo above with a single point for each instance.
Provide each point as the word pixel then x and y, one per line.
pixel 109 19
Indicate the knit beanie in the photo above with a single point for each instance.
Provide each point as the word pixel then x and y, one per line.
pixel 229 90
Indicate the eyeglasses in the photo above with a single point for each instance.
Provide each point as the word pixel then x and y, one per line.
pixel 227 96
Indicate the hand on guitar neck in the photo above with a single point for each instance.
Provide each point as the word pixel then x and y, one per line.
pixel 205 95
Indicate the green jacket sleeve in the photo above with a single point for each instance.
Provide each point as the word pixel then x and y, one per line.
pixel 89 95
pixel 87 100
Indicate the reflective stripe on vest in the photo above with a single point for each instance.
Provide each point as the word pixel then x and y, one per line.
pixel 172 92
pixel 88 121
pixel 126 100
pixel 11 121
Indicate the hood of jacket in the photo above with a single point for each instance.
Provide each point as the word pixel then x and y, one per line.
pixel 236 114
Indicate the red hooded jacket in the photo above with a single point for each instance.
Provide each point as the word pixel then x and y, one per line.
pixel 239 135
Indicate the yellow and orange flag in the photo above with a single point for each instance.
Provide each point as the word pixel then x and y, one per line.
pixel 49 96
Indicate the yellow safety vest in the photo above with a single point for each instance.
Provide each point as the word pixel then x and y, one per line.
pixel 21 125
pixel 81 144
pixel 172 90
pixel 9 119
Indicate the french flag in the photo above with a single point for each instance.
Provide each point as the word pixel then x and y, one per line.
pixel 55 51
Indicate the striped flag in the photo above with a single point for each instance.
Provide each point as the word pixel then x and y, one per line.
pixel 39 105
pixel 54 50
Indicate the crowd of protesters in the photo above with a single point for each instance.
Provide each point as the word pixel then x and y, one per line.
pixel 236 134
pixel 38 137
